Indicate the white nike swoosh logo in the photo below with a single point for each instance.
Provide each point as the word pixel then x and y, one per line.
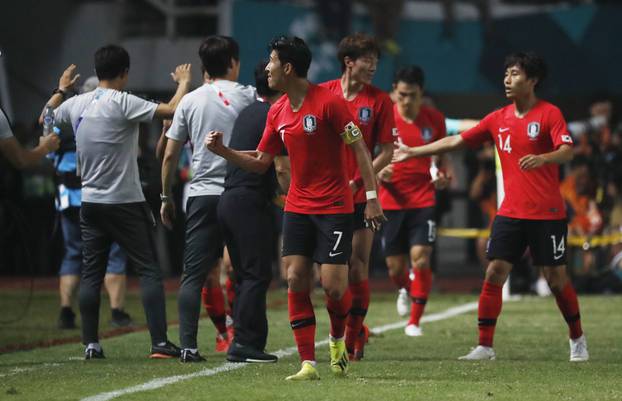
pixel 558 257
pixel 503 129
pixel 332 255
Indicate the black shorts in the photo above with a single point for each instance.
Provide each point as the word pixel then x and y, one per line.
pixel 359 222
pixel 325 238
pixel 546 240
pixel 407 228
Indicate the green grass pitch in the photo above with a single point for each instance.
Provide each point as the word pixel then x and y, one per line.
pixel 531 345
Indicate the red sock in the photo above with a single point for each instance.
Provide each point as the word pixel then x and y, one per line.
pixel 402 280
pixel 358 311
pixel 490 302
pixel 230 288
pixel 214 304
pixel 338 313
pixel 302 321
pixel 419 291
pixel 569 306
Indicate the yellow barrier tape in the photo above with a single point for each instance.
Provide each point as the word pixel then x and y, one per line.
pixel 584 242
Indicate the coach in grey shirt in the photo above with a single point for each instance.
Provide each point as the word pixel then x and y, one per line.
pixel 213 106
pixel 105 123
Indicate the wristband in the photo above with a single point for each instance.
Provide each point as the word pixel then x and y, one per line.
pixel 165 198
pixel 371 195
pixel 61 92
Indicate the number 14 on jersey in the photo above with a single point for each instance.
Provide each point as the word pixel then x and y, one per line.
pixel 504 145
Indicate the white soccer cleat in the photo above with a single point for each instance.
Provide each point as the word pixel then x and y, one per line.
pixel 403 302
pixel 412 330
pixel 479 353
pixel 578 349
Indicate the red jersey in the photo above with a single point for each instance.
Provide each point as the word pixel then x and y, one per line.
pixel 372 111
pixel 411 183
pixel 319 183
pixel 532 194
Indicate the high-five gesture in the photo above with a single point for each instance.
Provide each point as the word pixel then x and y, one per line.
pixel 68 79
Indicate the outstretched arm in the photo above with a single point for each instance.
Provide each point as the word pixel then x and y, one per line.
pixel 561 155
pixel 182 76
pixel 23 158
pixel 65 83
pixel 445 145
pixel 255 162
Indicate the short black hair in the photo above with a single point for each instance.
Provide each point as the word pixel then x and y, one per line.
pixel 261 80
pixel 412 75
pixel 355 46
pixel 292 50
pixel 216 53
pixel 111 61
pixel 533 65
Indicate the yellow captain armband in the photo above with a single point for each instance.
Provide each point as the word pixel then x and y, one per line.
pixel 351 133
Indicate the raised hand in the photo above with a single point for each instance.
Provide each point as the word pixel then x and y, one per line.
pixel 68 79
pixel 182 73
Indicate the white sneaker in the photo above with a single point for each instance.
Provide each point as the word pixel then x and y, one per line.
pixel 403 302
pixel 412 330
pixel 542 288
pixel 480 353
pixel 578 350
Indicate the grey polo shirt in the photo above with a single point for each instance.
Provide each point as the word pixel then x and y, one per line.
pixel 105 123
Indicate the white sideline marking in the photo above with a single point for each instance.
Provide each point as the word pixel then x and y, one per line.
pixel 16 371
pixel 282 353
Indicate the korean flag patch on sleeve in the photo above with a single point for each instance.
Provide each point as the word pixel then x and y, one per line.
pixel 566 138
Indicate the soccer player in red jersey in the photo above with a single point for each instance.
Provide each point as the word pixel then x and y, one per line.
pixel 372 110
pixel 532 140
pixel 408 198
pixel 314 125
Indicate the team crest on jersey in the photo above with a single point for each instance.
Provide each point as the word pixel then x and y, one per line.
pixel 309 123
pixel 364 115
pixel 426 134
pixel 533 130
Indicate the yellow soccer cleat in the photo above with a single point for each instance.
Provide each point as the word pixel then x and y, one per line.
pixel 306 372
pixel 338 357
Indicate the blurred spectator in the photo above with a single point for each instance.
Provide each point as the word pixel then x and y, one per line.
pixel 483 190
pixel 336 18
pixel 578 191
